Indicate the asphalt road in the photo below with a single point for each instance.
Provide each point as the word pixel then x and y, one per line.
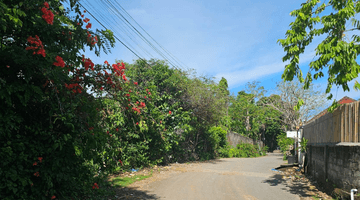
pixel 230 178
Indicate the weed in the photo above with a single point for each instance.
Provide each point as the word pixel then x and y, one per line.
pixel 125 181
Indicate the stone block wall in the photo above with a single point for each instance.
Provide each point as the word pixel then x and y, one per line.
pixel 337 165
pixel 235 139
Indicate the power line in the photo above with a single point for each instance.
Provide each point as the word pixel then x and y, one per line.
pixel 112 28
pixel 140 35
pixel 128 26
pixel 171 55
pixel 123 28
pixel 114 35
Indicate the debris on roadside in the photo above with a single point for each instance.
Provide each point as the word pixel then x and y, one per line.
pixel 294 178
pixel 275 170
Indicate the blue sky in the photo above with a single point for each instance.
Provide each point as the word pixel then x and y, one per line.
pixel 220 38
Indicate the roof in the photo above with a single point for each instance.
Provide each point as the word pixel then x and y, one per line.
pixel 343 100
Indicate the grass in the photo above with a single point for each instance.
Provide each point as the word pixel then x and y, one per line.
pixel 125 181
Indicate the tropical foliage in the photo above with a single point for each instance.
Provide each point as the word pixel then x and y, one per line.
pixel 336 55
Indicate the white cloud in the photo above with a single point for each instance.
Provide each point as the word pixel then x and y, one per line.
pixel 239 77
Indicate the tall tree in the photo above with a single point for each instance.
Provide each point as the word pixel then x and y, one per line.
pixel 225 98
pixel 289 94
pixel 330 19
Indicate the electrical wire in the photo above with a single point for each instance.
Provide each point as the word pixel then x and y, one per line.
pixel 140 35
pixel 123 40
pixel 126 27
pixel 170 54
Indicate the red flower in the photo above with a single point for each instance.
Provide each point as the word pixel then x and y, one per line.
pixel 136 109
pixel 137 123
pixel 91 128
pixel 86 20
pixel 53 197
pixel 145 97
pixel 170 112
pixel 38 45
pixel 101 88
pixel 136 83
pixel 117 129
pixel 127 95
pixel 119 69
pixel 106 62
pixel 36 174
pixel 147 90
pixel 46 4
pixel 41 52
pixel 35 163
pixel 94 40
pixel 121 162
pixel 82 15
pixel 40 159
pixel 95 186
pixel 88 26
pixel 7 66
pixel 48 16
pixel 84 11
pixel 149 93
pixel 88 63
pixel 59 62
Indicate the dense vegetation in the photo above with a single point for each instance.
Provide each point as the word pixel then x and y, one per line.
pixel 68 122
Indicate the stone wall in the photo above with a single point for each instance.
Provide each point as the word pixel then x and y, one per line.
pixel 235 139
pixel 335 165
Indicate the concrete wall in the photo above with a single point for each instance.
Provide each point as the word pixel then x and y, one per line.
pixel 235 139
pixel 336 164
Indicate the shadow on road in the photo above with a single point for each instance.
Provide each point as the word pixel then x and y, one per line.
pixel 133 193
pixel 293 187
pixel 214 161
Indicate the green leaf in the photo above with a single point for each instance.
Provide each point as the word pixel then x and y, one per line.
pixel 299 104
pixel 357 86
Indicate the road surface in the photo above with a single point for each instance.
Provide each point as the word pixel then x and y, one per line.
pixel 229 178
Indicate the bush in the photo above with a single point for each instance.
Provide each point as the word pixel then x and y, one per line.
pixel 217 137
pixel 265 150
pixel 284 143
pixel 243 150
pixel 224 152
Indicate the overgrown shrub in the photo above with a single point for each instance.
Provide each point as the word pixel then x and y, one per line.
pixel 264 149
pixel 243 150
pixel 285 143
pixel 217 137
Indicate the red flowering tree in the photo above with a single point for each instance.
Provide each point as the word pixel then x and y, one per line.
pixel 53 133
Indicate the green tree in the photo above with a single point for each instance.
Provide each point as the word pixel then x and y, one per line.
pixel 223 85
pixel 225 97
pixel 52 135
pixel 336 52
